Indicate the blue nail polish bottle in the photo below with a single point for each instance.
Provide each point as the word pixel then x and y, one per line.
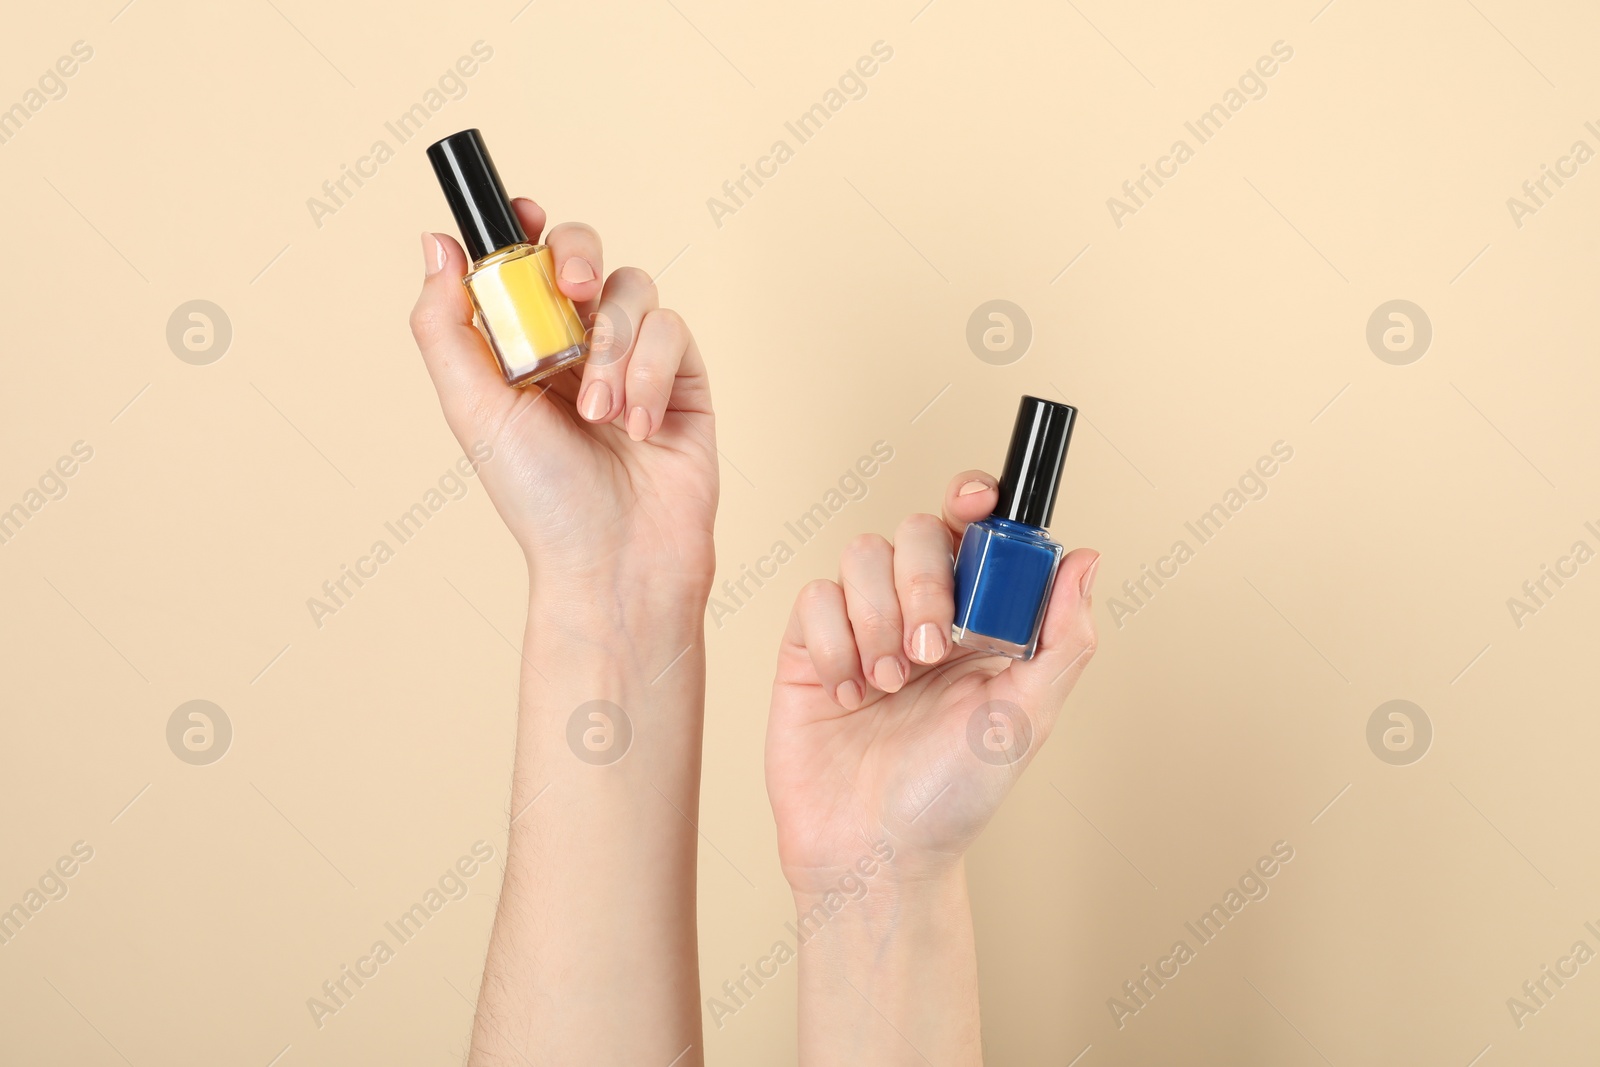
pixel 1007 563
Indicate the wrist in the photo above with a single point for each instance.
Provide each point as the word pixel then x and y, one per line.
pixel 645 658
pixel 610 614
pixel 888 975
pixel 894 869
pixel 866 911
pixel 884 897
pixel 627 700
pixel 602 597
pixel 579 564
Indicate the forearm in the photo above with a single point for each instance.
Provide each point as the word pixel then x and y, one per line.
pixel 596 922
pixel 891 978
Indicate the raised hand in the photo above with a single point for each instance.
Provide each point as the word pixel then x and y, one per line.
pixel 888 751
pixel 606 475
pixel 875 715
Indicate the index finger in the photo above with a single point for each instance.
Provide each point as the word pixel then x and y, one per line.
pixel 575 248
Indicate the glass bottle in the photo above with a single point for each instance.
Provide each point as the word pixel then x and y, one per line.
pixel 1006 565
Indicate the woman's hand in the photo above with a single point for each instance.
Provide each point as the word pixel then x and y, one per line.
pixel 881 730
pixel 605 474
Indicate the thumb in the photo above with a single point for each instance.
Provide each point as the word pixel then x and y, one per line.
pixel 1066 641
pixel 472 391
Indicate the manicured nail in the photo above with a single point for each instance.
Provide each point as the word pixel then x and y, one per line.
pixel 638 424
pixel 848 695
pixel 887 674
pixel 432 254
pixel 928 643
pixel 1086 585
pixel 596 401
pixel 972 487
pixel 577 271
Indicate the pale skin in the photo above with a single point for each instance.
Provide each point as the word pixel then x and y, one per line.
pixel 869 743
pixel 607 478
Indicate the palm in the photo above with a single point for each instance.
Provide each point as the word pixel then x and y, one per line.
pixel 903 768
pixel 880 731
pixel 653 501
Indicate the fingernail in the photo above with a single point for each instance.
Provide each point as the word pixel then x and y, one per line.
pixel 577 271
pixel 596 401
pixel 928 643
pixel 972 487
pixel 887 675
pixel 638 424
pixel 1086 584
pixel 432 254
pixel 848 695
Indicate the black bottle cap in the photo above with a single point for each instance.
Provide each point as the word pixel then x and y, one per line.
pixel 1033 463
pixel 477 199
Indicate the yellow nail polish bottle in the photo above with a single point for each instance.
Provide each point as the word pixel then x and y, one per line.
pixel 532 327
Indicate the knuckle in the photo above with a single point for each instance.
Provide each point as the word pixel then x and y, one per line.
pixel 864 547
pixel 634 278
pixel 612 316
pixel 670 323
pixel 835 655
pixel 575 229
pixel 930 591
pixel 877 631
pixel 671 320
pixel 1088 640
pixel 645 374
pixel 648 387
pixel 610 336
pixel 921 524
pixel 426 323
pixel 817 594
pixel 928 584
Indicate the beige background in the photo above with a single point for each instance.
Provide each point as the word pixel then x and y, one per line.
pixel 1227 314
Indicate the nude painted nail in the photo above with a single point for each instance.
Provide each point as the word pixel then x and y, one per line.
pixel 638 424
pixel 888 675
pixel 972 487
pixel 432 254
pixel 596 401
pixel 928 643
pixel 848 695
pixel 1086 584
pixel 577 271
